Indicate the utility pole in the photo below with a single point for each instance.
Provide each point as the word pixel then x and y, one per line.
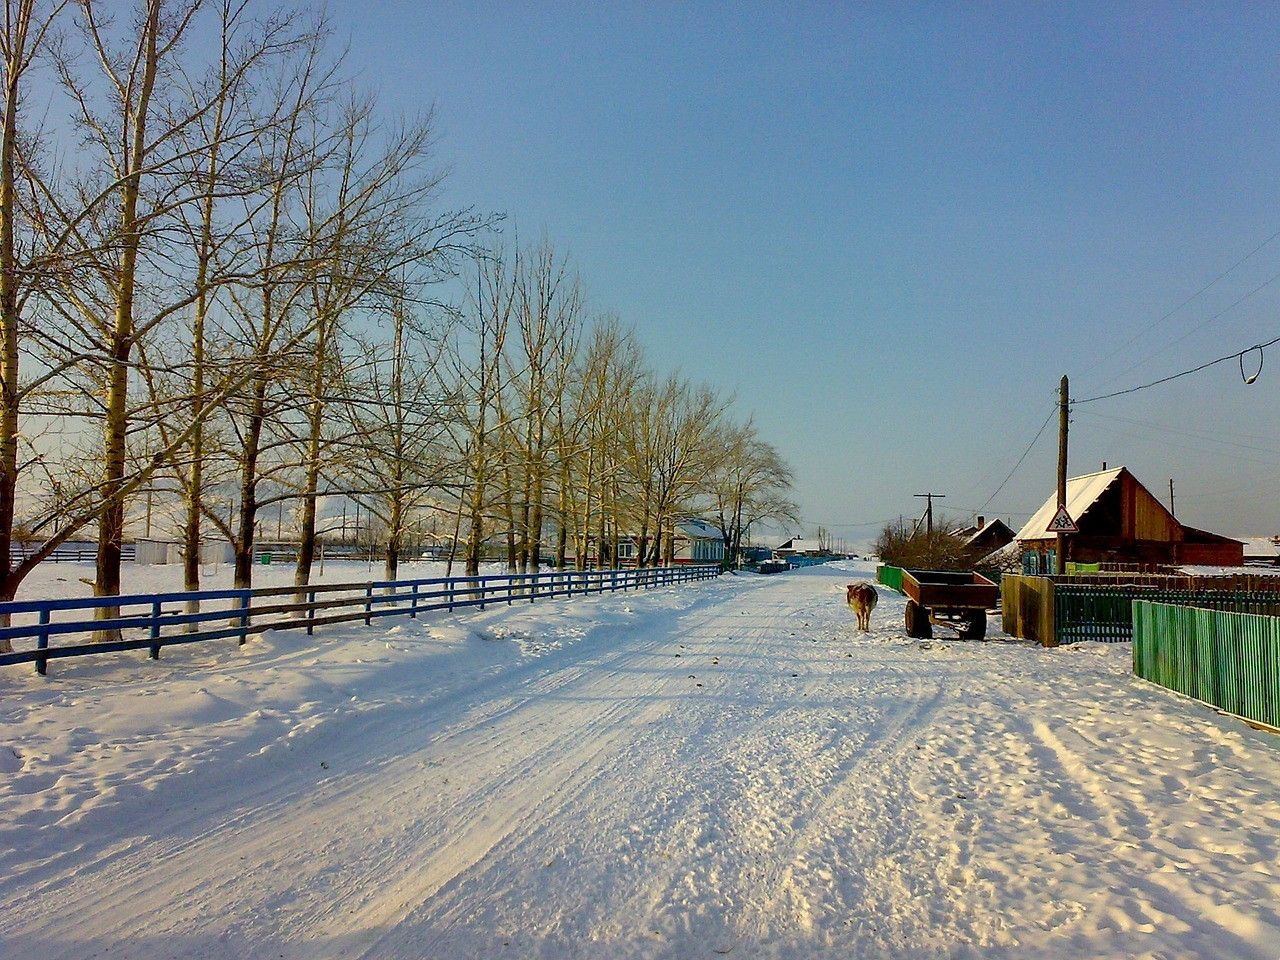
pixel 1171 511
pixel 1064 405
pixel 928 513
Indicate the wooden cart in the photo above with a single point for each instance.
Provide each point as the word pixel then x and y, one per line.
pixel 958 598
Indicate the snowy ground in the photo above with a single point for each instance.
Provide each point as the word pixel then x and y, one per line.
pixel 720 769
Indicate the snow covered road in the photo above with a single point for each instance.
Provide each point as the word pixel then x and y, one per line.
pixel 719 769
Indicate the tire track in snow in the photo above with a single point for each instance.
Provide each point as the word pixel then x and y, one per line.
pixel 681 841
pixel 635 812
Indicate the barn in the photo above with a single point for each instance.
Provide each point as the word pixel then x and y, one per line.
pixel 1120 522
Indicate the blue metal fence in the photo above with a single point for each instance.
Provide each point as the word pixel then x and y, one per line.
pixel 151 621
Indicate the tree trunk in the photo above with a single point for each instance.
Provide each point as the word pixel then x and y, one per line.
pixel 395 534
pixel 310 489
pixel 249 488
pixel 535 525
pixel 111 518
pixel 9 323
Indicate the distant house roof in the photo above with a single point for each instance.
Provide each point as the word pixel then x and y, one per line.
pixel 989 536
pixel 698 529
pixel 1261 548
pixel 1082 493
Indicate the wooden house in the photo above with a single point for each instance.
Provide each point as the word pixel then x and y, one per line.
pixel 794 547
pixel 1262 551
pixel 1119 521
pixel 986 536
pixel 697 541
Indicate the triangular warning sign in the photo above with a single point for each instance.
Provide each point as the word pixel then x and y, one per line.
pixel 1062 522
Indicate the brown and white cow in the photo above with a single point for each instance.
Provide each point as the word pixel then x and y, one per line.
pixel 862 598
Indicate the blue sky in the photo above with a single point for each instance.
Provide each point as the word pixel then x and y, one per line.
pixel 889 229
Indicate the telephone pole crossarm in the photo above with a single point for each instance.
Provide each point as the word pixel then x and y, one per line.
pixel 928 513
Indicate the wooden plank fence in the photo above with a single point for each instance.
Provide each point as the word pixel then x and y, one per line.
pixel 1026 608
pixel 1228 660
pixel 97 625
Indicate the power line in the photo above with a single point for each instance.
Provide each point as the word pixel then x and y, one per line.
pixel 1220 438
pixel 1238 355
pixel 1155 323
pixel 1025 452
pixel 1200 326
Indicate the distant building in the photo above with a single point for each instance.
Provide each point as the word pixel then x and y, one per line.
pixel 1262 551
pixel 986 536
pixel 1120 522
pixel 800 547
pixel 697 541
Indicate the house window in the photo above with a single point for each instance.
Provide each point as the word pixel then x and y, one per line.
pixel 707 550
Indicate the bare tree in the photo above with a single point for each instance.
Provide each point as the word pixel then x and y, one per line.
pixel 589 448
pixel 400 417
pixel 146 108
pixel 548 321
pixel 377 235
pixel 480 375
pixel 25 31
pixel 226 163
pixel 749 486
pixel 269 321
pixel 906 544
pixel 669 437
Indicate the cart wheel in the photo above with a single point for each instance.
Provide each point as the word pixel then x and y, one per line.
pixel 975 625
pixel 918 625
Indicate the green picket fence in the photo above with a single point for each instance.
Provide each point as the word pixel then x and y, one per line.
pixel 1228 660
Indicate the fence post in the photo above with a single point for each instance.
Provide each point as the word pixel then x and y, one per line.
pixel 311 613
pixel 42 642
pixel 244 617
pixel 155 630
pixel 368 604
pixel 413 603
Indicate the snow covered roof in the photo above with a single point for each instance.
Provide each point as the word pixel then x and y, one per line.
pixel 1082 493
pixel 1261 547
pixel 699 529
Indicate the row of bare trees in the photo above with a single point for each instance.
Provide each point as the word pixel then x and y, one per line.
pixel 221 276
pixel 574 449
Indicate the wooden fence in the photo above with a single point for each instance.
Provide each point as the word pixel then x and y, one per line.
pixel 151 621
pixel 1026 608
pixel 1230 661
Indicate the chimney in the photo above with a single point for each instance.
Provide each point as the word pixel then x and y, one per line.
pixel 982 521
